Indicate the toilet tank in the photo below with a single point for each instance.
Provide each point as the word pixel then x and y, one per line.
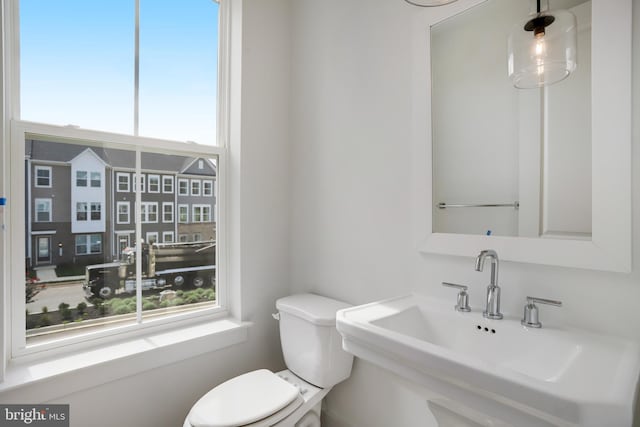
pixel 311 344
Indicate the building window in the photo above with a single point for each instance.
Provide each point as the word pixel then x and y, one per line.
pixel 43 210
pixel 88 244
pixel 152 237
pixel 154 183
pixel 96 211
pixel 149 212
pixel 81 211
pixel 123 182
pixel 183 214
pixel 167 212
pixel 167 184
pixel 183 187
pixel 183 238
pixel 207 188
pixel 200 164
pixel 81 178
pixel 201 213
pixel 167 237
pixel 43 176
pixel 197 237
pixel 195 187
pixel 96 180
pixel 123 212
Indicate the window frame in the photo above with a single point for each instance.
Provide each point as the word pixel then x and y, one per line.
pixel 49 201
pixel 37 168
pixel 128 205
pixel 92 211
pixel 180 182
pixel 12 159
pixel 156 178
pixel 168 233
pixel 184 206
pixel 88 243
pixel 192 189
pixel 164 219
pixel 167 178
pixel 85 179
pixel 207 190
pixel 122 175
pixel 92 174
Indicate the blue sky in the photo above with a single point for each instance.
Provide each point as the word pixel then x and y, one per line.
pixel 77 65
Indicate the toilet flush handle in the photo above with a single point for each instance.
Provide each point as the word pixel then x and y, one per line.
pixel 276 316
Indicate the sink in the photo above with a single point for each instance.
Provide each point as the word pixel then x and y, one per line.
pixel 558 376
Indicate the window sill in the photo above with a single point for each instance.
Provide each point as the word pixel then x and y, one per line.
pixel 90 368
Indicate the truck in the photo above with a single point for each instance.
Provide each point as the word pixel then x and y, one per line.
pixel 164 265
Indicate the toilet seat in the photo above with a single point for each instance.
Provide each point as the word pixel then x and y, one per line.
pixel 255 399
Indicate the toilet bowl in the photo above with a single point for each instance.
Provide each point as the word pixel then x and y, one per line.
pixel 291 398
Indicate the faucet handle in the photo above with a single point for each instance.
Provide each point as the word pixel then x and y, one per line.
pixel 463 296
pixel 530 318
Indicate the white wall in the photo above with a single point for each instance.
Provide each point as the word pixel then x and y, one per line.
pixel 261 242
pixel 351 166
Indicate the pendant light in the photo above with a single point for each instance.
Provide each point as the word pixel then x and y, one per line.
pixel 429 3
pixel 542 51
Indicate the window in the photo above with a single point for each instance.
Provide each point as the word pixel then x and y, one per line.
pixel 152 237
pixel 88 61
pixel 195 187
pixel 81 211
pixel 167 212
pixel 81 178
pixel 183 238
pixel 201 213
pixel 123 213
pixel 96 180
pixel 207 188
pixel 149 212
pixel 183 214
pixel 123 182
pixel 96 211
pixel 43 176
pixel 197 237
pixel 167 184
pixel 200 164
pixel 87 244
pixel 183 187
pixel 43 210
pixel 154 183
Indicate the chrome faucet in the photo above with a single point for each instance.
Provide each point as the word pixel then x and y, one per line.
pixel 493 290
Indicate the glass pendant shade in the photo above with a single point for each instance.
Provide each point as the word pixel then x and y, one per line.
pixel 428 3
pixel 542 49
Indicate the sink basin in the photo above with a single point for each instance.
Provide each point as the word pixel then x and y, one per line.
pixel 556 376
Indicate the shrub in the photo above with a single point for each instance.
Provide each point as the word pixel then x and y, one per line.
pixel 148 305
pixel 81 308
pixel 44 309
pixel 122 309
pixel 65 311
pixel 45 320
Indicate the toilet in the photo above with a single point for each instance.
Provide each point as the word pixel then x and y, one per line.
pixel 312 349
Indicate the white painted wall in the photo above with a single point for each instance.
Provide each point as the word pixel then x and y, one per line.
pixel 260 231
pixel 351 168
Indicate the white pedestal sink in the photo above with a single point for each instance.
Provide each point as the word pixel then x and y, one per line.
pixel 521 375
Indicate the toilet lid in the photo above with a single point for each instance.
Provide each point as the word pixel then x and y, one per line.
pixel 243 400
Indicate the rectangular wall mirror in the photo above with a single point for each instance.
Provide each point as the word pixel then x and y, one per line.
pixel 540 175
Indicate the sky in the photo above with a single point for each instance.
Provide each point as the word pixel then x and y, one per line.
pixel 77 66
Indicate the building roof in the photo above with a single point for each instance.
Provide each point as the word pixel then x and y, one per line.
pixel 49 151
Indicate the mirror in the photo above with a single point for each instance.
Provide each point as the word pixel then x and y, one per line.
pixel 521 164
pixel 551 226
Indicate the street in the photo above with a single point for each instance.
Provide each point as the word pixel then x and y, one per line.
pixel 54 294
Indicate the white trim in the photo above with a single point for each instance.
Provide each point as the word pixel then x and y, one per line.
pixel 123 174
pixel 210 192
pixel 50 211
pixel 128 205
pixel 186 207
pixel 151 234
pixel 610 246
pixel 183 181
pixel 168 178
pixel 36 168
pixel 202 208
pixel 144 213
pixel 43 232
pixel 172 212
pixel 149 178
pixel 168 233
pixel 199 187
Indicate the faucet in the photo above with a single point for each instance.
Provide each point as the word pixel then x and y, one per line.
pixel 493 290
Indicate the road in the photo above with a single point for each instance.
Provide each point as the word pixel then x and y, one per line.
pixel 54 294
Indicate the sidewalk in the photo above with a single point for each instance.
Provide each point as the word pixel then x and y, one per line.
pixel 48 275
